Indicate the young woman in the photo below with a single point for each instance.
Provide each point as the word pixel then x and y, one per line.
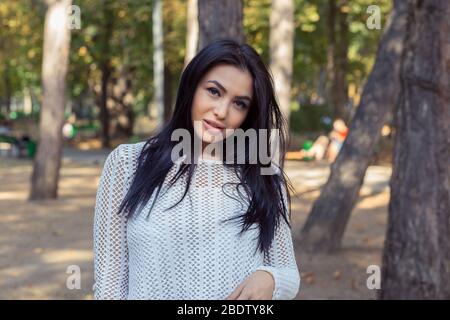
pixel 207 228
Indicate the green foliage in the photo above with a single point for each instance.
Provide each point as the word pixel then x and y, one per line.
pixel 311 42
pixel 120 32
pixel 21 34
pixel 257 26
pixel 134 139
pixel 310 118
pixel 310 50
pixel 129 45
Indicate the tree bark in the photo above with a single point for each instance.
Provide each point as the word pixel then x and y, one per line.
pixel 44 182
pixel 331 55
pixel 337 29
pixel 220 19
pixel 192 33
pixel 282 51
pixel 417 247
pixel 8 90
pixel 341 86
pixel 158 62
pixel 106 70
pixel 104 112
pixel 325 226
pixel 167 93
pixel 120 103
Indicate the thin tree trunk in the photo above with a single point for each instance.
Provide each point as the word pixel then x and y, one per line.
pixel 106 70
pixel 282 51
pixel 8 94
pixel 220 19
pixel 44 183
pixel 27 102
pixel 192 31
pixel 417 247
pixel 337 29
pixel 341 86
pixel 167 93
pixel 325 226
pixel 158 61
pixel 331 55
pixel 104 112
pixel 121 100
pixel 128 100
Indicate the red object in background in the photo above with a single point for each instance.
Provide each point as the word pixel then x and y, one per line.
pixel 343 134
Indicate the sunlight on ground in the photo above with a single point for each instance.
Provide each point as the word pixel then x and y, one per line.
pixel 39 240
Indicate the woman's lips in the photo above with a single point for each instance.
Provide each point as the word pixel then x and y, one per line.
pixel 210 127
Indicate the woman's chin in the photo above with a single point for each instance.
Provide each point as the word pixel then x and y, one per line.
pixel 211 138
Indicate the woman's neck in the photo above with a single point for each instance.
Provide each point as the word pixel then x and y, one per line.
pixel 208 155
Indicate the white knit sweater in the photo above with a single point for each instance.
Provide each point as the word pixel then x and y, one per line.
pixel 184 252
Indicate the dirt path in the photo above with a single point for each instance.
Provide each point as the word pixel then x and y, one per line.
pixel 40 240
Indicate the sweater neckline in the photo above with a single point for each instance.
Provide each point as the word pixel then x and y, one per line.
pixel 206 160
pixel 201 160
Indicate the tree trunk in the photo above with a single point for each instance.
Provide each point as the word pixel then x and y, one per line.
pixel 45 176
pixel 158 62
pixel 106 70
pixel 27 102
pixel 192 31
pixel 325 226
pixel 417 247
pixel 120 103
pixel 167 93
pixel 340 94
pixel 282 51
pixel 220 19
pixel 8 90
pixel 337 29
pixel 331 55
pixel 104 112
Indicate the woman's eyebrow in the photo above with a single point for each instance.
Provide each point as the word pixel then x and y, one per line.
pixel 217 83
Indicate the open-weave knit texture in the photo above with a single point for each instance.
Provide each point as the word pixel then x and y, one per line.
pixel 186 252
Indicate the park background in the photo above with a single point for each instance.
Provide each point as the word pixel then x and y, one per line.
pixel 111 70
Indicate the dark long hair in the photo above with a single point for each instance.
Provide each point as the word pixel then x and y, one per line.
pixel 265 192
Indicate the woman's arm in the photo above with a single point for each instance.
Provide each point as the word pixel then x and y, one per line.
pixel 110 244
pixel 281 263
pixel 278 278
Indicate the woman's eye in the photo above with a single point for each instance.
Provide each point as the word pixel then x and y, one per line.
pixel 213 91
pixel 241 104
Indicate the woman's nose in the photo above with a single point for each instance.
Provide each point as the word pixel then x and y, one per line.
pixel 221 109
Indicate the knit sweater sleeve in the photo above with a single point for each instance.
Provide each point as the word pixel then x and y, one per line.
pixel 281 262
pixel 110 243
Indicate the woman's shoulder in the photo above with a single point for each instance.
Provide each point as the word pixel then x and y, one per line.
pixel 126 153
pixel 132 150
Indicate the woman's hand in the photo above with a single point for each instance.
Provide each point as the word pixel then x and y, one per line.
pixel 258 286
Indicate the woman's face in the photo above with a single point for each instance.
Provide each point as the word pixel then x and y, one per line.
pixel 222 101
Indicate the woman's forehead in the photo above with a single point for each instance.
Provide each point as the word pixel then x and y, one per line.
pixel 233 79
